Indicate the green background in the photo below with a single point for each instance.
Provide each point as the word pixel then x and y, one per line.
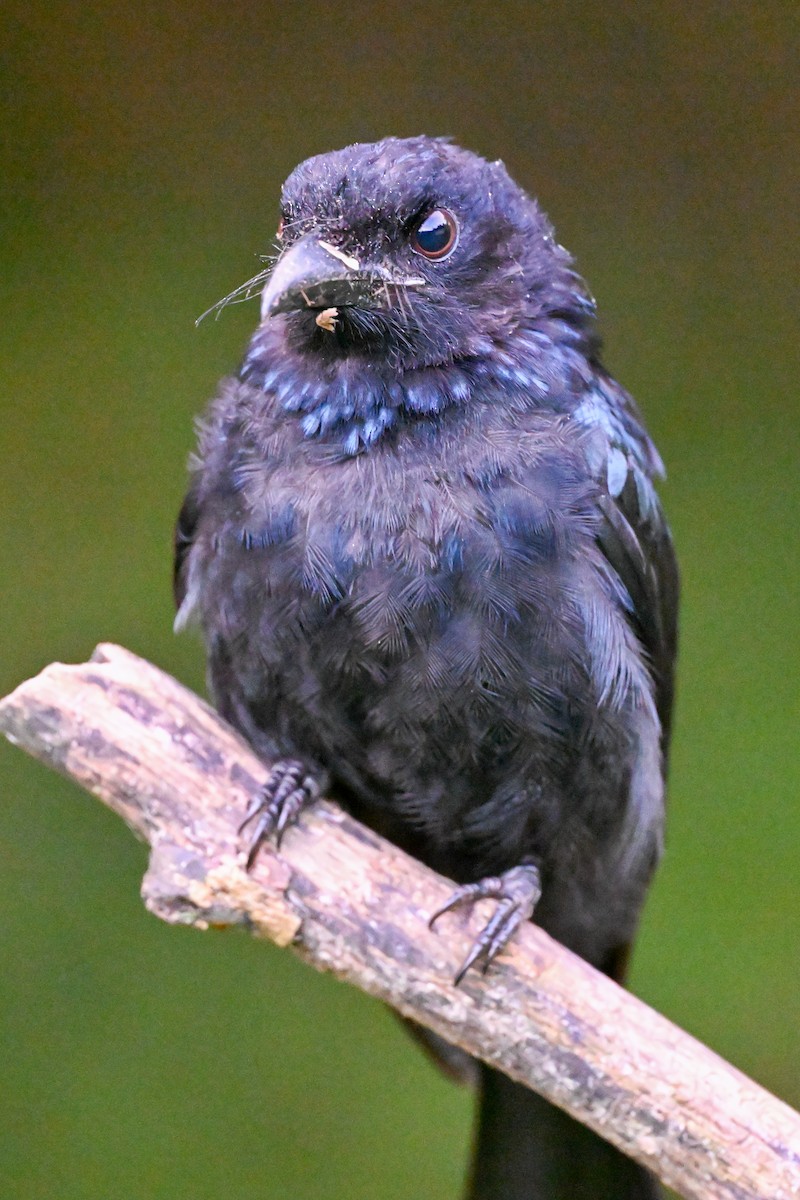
pixel 143 149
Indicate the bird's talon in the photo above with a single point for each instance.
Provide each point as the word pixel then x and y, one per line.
pixel 288 790
pixel 516 891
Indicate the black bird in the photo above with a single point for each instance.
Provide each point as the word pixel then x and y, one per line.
pixel 423 543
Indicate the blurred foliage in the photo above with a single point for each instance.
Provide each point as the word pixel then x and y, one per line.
pixel 143 150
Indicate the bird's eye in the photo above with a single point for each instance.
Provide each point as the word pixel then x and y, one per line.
pixel 436 234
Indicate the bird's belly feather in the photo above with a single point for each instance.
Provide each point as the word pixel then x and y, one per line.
pixel 445 692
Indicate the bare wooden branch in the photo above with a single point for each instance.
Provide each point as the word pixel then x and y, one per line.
pixel 351 903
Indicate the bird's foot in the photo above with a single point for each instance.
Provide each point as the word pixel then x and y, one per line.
pixel 516 891
pixel 278 804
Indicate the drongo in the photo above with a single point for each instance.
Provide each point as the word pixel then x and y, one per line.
pixel 424 546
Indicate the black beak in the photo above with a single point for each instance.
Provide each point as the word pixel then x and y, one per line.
pixel 314 274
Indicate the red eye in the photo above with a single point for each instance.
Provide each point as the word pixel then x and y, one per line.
pixel 436 234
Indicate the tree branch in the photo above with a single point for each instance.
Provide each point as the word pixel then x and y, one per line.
pixel 351 903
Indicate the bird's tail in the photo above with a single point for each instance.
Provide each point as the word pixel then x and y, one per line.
pixel 526 1149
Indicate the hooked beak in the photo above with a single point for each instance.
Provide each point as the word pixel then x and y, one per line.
pixel 314 274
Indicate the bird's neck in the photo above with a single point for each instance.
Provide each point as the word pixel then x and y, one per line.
pixel 356 400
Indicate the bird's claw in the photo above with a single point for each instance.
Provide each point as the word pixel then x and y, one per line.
pixel 278 804
pixel 516 892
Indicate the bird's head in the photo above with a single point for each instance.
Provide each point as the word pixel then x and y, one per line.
pixel 398 258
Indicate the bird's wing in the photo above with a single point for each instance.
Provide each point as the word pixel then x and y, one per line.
pixel 185 530
pixel 634 535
